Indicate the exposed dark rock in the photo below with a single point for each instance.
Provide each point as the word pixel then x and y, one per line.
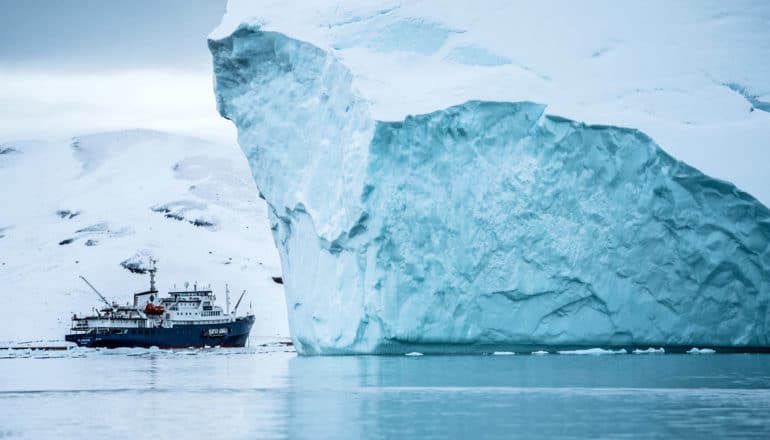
pixel 91 242
pixel 66 213
pixel 277 280
pixel 133 266
pixel 99 227
pixel 201 223
pixel 67 241
pixel 160 209
pixel 138 263
pixel 178 210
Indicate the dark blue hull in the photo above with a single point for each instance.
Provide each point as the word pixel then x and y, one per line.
pixel 232 334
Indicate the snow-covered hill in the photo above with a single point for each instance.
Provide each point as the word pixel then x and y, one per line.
pixel 83 206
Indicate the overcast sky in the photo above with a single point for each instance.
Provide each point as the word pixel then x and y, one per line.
pixel 70 67
pixel 88 35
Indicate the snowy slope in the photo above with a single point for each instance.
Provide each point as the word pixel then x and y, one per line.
pixel 82 206
pixel 694 75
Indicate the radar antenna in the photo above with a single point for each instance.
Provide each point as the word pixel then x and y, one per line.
pixel 97 292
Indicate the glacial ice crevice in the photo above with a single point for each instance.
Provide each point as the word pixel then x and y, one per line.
pixel 486 223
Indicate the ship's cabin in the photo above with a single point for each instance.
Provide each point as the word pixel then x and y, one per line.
pixel 192 305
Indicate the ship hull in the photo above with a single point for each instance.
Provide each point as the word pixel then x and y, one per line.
pixel 231 334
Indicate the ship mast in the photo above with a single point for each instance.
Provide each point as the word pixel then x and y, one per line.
pixel 227 298
pixel 152 271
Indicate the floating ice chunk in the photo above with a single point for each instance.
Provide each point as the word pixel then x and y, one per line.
pixel 695 350
pixel 539 353
pixel 650 350
pixel 413 353
pixel 503 353
pixel 594 351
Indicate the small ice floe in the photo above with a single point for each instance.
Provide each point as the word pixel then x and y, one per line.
pixel 503 353
pixel 127 351
pixel 594 351
pixel 539 353
pixel 695 350
pixel 191 351
pixel 78 352
pixel 650 350
pixel 8 353
pixel 413 353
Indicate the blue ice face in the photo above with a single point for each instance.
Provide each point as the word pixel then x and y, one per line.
pixel 476 56
pixel 484 224
pixel 408 35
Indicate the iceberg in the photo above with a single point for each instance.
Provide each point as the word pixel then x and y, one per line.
pixel 699 84
pixel 485 223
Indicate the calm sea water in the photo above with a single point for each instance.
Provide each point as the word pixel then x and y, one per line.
pixel 269 393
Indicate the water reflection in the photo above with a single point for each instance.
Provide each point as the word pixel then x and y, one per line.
pixel 526 396
pixel 222 394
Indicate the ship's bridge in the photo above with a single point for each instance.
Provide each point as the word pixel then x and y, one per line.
pixel 192 305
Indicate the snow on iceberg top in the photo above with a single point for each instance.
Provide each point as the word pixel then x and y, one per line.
pixel 419 56
pixel 692 74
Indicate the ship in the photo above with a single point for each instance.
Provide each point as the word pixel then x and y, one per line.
pixel 181 319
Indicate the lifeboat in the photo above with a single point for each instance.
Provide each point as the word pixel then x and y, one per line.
pixel 152 309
